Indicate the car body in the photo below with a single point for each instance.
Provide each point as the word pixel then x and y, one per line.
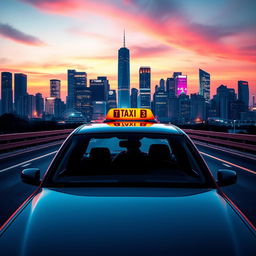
pixel 130 216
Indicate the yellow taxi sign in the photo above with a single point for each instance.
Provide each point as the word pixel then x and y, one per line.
pixel 129 124
pixel 130 114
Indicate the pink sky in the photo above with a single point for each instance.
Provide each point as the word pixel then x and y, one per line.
pixel 44 38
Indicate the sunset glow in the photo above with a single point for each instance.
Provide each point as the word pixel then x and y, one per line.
pixel 44 38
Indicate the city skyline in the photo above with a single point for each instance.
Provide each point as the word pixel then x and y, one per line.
pixel 45 49
pixel 171 103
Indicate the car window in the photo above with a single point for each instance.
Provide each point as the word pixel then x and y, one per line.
pixel 117 158
pixel 113 144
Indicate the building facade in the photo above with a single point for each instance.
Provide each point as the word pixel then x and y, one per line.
pixel 39 105
pixel 28 103
pixel 123 77
pixel 243 92
pixel 55 88
pixel 99 89
pixel 204 84
pixel 71 89
pixel 99 110
pixel 180 85
pixel 20 89
pixel 49 105
pixel 6 92
pixel 162 84
pixel 160 105
pixel 170 86
pixel 184 109
pixel 145 87
pixel 59 108
pixel 198 108
pixel 83 98
pixel 134 98
pixel 112 102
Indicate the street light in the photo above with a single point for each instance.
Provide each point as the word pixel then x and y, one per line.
pixel 234 126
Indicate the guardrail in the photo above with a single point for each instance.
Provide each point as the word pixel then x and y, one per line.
pixel 242 142
pixel 14 141
pixel 20 140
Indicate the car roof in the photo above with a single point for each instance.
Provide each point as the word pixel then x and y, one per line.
pixel 128 128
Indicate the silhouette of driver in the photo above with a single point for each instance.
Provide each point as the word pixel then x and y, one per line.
pixel 132 158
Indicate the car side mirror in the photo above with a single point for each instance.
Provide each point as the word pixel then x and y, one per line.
pixel 226 177
pixel 31 176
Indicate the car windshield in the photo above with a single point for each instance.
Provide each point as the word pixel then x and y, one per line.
pixel 125 159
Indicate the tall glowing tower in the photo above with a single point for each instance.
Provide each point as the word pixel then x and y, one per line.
pixel 123 76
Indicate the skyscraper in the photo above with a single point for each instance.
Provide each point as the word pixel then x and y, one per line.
pixel 183 108
pixel 20 89
pixel 162 84
pixel 105 79
pixel 160 104
pixel 39 104
pixel 71 89
pixel 55 88
pixel 180 85
pixel 145 87
pixel 111 99
pixel 134 98
pixel 170 86
pixel 99 88
pixel 176 74
pixel 6 92
pixel 172 108
pixel 49 105
pixel 82 95
pixel 223 99
pixel 243 92
pixel 123 77
pixel 204 82
pixel 59 108
pixel 99 110
pixel 29 106
pixel 198 108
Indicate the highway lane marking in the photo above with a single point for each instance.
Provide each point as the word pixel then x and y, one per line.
pixel 226 165
pixel 226 150
pixel 224 161
pixel 26 165
pixel 28 161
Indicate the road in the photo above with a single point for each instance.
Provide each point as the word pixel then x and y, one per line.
pixel 13 192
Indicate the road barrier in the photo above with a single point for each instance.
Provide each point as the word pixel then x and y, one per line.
pixel 244 142
pixel 20 140
pixel 14 141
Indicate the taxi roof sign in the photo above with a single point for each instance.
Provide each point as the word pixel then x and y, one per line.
pixel 130 124
pixel 130 114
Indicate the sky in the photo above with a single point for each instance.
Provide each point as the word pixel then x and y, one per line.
pixel 44 38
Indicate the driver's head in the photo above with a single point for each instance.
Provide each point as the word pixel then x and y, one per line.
pixel 131 144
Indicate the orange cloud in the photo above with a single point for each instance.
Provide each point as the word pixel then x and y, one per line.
pixel 175 30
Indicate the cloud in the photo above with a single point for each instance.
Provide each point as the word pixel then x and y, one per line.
pixel 12 33
pixel 50 66
pixel 146 52
pixel 136 52
pixel 87 34
pixel 24 71
pixel 165 22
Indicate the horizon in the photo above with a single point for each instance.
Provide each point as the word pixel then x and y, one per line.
pixel 48 37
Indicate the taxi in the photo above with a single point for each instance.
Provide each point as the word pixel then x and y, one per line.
pixel 128 186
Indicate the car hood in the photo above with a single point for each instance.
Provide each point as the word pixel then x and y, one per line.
pixel 135 221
